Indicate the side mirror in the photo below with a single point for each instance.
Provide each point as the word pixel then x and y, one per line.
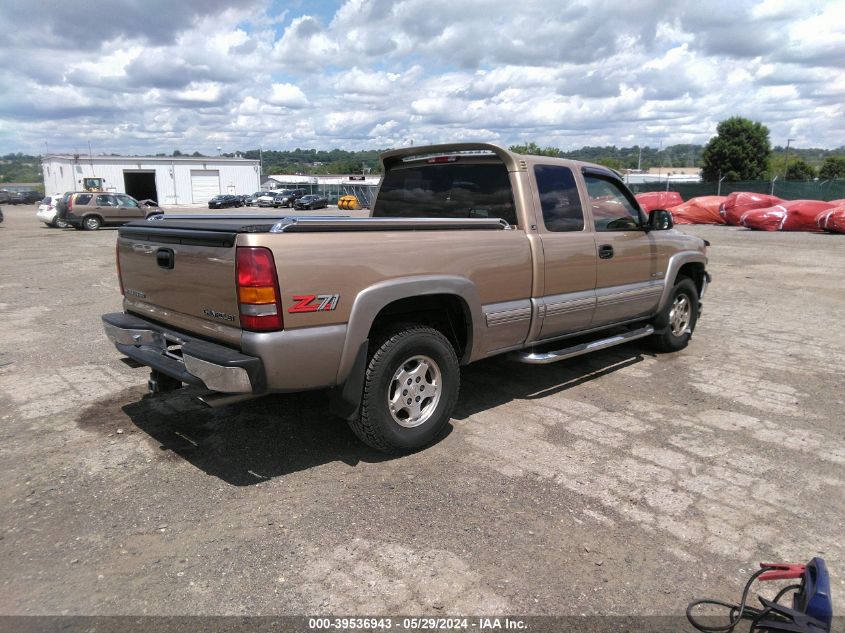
pixel 660 220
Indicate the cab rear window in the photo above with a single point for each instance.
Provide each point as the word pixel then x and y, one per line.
pixel 447 190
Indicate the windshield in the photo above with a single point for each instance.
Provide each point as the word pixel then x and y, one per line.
pixel 447 190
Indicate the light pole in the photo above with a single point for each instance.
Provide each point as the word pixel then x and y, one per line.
pixel 786 157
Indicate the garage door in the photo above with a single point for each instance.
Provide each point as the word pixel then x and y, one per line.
pixel 205 184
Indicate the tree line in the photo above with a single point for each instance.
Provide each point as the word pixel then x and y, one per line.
pixel 741 150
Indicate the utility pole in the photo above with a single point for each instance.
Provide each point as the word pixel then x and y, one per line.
pixel 640 160
pixel 660 159
pixel 786 157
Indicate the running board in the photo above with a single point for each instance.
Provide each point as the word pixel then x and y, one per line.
pixel 544 358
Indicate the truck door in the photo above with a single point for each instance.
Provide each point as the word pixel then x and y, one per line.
pixel 629 280
pixel 569 252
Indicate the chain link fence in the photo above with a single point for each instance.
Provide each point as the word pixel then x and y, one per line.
pixel 787 189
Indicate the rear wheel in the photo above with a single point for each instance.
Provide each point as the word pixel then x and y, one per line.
pixel 59 223
pixel 410 390
pixel 91 223
pixel 677 320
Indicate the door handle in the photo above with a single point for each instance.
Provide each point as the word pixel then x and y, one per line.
pixel 605 251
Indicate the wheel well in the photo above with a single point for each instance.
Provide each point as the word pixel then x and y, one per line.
pixel 695 271
pixel 94 215
pixel 448 314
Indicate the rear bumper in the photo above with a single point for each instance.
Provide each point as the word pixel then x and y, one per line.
pixel 184 358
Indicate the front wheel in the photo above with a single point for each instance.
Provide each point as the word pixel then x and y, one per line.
pixel 410 390
pixel 677 320
pixel 59 223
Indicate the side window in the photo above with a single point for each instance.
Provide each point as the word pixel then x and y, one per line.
pixel 559 198
pixel 106 201
pixel 612 209
pixel 83 198
pixel 126 201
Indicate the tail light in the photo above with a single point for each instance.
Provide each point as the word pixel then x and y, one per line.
pixel 117 262
pixel 70 203
pixel 259 299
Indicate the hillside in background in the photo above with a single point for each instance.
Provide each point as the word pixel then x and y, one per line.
pixel 27 168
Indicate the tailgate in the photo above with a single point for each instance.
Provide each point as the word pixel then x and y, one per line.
pixel 187 272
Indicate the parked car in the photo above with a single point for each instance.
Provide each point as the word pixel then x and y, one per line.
pixel 48 213
pixel 92 209
pixel 266 200
pixel 287 197
pixel 5 196
pixel 253 199
pixel 311 201
pixel 224 200
pixel 25 196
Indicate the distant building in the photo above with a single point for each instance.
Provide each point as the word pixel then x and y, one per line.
pixel 662 174
pixel 169 180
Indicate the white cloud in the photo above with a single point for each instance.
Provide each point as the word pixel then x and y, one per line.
pixel 287 95
pixel 379 73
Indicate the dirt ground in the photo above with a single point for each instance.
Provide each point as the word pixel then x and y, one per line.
pixel 620 483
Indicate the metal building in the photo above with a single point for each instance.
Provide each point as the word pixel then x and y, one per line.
pixel 176 180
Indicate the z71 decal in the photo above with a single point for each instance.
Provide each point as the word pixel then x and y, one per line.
pixel 314 303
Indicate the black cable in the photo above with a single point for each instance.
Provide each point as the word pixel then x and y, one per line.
pixel 796 587
pixel 739 609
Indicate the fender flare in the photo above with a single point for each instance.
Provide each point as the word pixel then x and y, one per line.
pixel 676 261
pixel 370 301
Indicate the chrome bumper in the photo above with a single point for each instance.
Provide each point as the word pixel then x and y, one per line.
pixel 182 357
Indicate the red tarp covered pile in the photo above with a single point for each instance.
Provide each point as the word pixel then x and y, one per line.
pixel 796 215
pixel 832 219
pixel 658 200
pixel 741 202
pixel 701 210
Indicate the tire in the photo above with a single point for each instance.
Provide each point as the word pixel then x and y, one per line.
pixel 91 223
pixel 413 353
pixel 59 223
pixel 678 319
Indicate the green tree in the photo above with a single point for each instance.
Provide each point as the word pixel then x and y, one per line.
pixel 535 150
pixel 800 170
pixel 613 163
pixel 832 167
pixel 739 151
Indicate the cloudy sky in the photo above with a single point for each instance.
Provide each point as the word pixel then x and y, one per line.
pixel 148 76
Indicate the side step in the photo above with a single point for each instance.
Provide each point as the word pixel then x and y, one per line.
pixel 544 358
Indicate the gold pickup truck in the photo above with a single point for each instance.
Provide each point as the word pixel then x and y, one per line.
pixel 470 251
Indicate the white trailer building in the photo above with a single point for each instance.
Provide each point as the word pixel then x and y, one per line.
pixel 176 180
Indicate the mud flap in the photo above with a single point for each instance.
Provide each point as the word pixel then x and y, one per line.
pixel 345 399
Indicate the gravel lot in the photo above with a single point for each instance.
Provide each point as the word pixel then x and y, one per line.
pixel 622 483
